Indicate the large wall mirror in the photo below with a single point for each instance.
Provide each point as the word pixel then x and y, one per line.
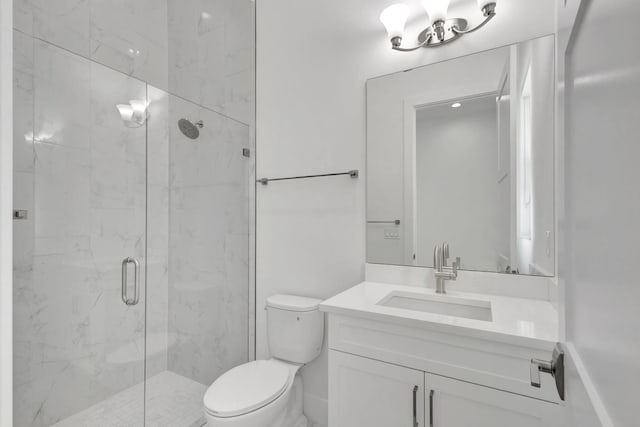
pixel 462 151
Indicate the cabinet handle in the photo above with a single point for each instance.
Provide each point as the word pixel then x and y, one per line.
pixel 431 408
pixel 415 412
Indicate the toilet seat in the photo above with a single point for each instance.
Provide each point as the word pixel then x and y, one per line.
pixel 246 388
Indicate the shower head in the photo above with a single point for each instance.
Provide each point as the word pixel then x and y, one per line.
pixel 189 129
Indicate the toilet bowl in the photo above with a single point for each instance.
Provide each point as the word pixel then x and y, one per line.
pixel 256 394
pixel 268 393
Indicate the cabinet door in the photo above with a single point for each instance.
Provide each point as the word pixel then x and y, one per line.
pixel 365 392
pixel 453 403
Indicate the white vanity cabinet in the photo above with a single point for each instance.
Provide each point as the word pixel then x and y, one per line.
pixel 454 403
pixel 387 363
pixel 459 380
pixel 370 393
pixel 366 392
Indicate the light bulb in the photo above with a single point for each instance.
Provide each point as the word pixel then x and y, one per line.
pixel 138 106
pixel 394 19
pixel 126 112
pixel 436 9
pixel 483 3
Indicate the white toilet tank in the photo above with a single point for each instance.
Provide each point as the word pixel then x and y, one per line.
pixel 295 328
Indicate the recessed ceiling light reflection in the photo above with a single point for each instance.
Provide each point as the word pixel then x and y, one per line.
pixel 456 105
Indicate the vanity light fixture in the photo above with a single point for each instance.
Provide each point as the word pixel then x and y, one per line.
pixel 441 29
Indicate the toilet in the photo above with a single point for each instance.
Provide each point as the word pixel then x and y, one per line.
pixel 268 393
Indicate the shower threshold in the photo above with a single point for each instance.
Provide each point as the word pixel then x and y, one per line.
pixel 172 401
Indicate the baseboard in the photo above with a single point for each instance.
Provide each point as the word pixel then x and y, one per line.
pixel 316 409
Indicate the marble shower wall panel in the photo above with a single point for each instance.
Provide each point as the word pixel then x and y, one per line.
pixel 23 161
pixel 23 16
pixel 76 343
pixel 131 36
pixel 24 231
pixel 200 50
pixel 208 244
pixel 128 36
pixel 211 54
pixel 64 23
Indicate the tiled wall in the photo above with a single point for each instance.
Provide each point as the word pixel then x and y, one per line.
pixel 200 50
pixel 211 54
pixel 208 244
pixel 81 175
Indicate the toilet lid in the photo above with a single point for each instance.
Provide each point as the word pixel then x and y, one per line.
pixel 246 388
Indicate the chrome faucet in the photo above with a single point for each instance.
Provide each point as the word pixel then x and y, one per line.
pixel 442 271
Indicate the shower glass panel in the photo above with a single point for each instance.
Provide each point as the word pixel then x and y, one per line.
pixel 80 175
pixel 131 124
pixel 197 256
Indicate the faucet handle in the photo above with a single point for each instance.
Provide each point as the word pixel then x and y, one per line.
pixel 445 250
pixel 455 265
pixel 445 253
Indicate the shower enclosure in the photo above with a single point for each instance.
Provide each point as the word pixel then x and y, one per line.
pixel 132 291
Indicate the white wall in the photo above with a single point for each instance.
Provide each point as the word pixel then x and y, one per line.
pixel 6 204
pixel 313 61
pixel 598 261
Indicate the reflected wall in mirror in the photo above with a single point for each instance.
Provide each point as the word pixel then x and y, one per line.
pixel 462 151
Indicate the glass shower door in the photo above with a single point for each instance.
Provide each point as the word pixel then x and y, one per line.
pixel 80 179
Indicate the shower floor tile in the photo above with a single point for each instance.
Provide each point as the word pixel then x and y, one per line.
pixel 172 401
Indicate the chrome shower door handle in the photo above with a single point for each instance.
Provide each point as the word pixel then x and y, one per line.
pixel 136 281
pixel 125 280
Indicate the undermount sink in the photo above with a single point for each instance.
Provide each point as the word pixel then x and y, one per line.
pixel 439 304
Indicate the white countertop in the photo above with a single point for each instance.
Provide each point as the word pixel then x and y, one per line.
pixel 517 321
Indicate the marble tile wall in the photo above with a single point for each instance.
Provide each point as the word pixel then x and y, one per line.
pixel 200 50
pixel 208 244
pixel 128 36
pixel 211 54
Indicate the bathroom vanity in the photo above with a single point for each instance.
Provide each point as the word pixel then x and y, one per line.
pixel 406 356
pixel 460 191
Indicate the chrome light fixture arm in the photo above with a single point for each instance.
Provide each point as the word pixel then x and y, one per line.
pixel 397 41
pixel 489 12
